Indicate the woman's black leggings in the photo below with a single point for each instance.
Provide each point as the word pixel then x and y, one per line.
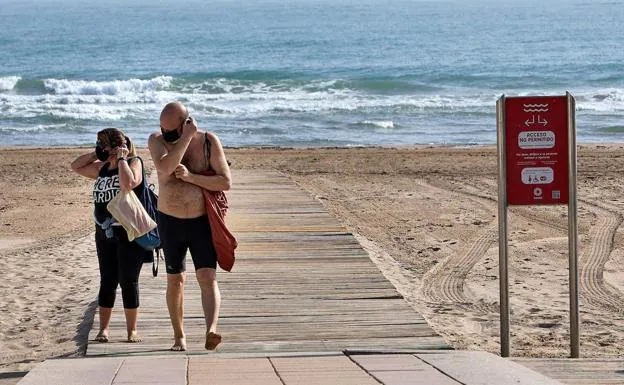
pixel 120 264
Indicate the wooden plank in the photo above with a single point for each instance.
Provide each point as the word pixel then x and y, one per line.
pixel 582 371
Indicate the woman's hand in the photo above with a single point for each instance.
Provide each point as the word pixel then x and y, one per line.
pixel 120 152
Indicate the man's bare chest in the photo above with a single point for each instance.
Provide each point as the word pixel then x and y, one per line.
pixel 196 161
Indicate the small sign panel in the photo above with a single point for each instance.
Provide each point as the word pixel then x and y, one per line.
pixel 536 130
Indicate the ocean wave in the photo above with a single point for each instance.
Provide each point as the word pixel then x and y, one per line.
pixel 371 86
pixel 90 101
pixel 253 93
pixel 609 95
pixel 244 76
pixel 225 86
pixel 7 83
pixel 604 101
pixel 612 129
pixel 39 128
pixel 385 124
pixel 250 105
pixel 80 112
pixel 114 87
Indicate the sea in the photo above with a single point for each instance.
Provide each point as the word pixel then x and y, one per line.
pixel 305 73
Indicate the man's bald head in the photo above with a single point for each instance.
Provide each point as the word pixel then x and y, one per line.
pixel 173 115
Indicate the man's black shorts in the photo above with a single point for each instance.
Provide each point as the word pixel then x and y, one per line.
pixel 177 235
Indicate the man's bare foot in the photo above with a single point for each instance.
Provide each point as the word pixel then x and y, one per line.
pixel 102 336
pixel 133 337
pixel 179 345
pixel 212 340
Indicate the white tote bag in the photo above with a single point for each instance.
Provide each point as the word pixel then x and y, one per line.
pixel 126 208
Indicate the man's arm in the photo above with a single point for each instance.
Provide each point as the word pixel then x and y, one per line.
pixel 221 181
pixel 167 161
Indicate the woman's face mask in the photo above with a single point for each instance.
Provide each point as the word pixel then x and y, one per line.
pixel 101 154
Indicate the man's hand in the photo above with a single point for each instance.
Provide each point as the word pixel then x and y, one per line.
pixel 182 173
pixel 189 127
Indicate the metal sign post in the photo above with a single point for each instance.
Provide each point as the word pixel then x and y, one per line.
pixel 573 231
pixel 502 228
pixel 536 143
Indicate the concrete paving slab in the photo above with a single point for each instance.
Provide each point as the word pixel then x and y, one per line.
pixel 402 369
pixel 141 381
pixel 226 365
pixel 234 378
pixel 327 378
pixel 211 370
pixel 413 377
pixel 387 362
pixel 99 371
pixel 154 370
pixel 314 364
pixel 482 368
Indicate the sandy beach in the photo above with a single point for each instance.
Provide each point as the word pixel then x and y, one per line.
pixel 427 216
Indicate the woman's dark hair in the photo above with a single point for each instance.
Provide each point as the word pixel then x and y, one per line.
pixel 114 137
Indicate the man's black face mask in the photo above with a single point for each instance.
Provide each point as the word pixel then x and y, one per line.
pixel 171 136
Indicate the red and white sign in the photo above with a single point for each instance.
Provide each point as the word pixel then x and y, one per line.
pixel 537 150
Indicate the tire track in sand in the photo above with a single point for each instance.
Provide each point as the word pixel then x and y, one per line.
pixel 445 283
pixel 593 288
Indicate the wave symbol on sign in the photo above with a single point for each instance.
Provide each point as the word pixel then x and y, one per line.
pixel 535 107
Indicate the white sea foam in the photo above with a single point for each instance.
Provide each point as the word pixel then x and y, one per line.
pixel 246 105
pixel 115 87
pixel 603 101
pixel 143 99
pixel 386 124
pixel 36 128
pixel 7 83
pixel 59 108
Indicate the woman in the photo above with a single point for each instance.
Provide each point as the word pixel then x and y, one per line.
pixel 114 166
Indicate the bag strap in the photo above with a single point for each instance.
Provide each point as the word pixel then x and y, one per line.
pixel 151 186
pixel 156 262
pixel 142 167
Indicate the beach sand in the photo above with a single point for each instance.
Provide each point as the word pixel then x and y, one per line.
pixel 427 215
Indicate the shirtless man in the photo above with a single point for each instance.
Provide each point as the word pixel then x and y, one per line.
pixel 180 153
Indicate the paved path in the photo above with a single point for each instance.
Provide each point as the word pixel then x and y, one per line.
pixel 449 368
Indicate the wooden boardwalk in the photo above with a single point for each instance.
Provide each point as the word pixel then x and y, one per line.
pixel 301 283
